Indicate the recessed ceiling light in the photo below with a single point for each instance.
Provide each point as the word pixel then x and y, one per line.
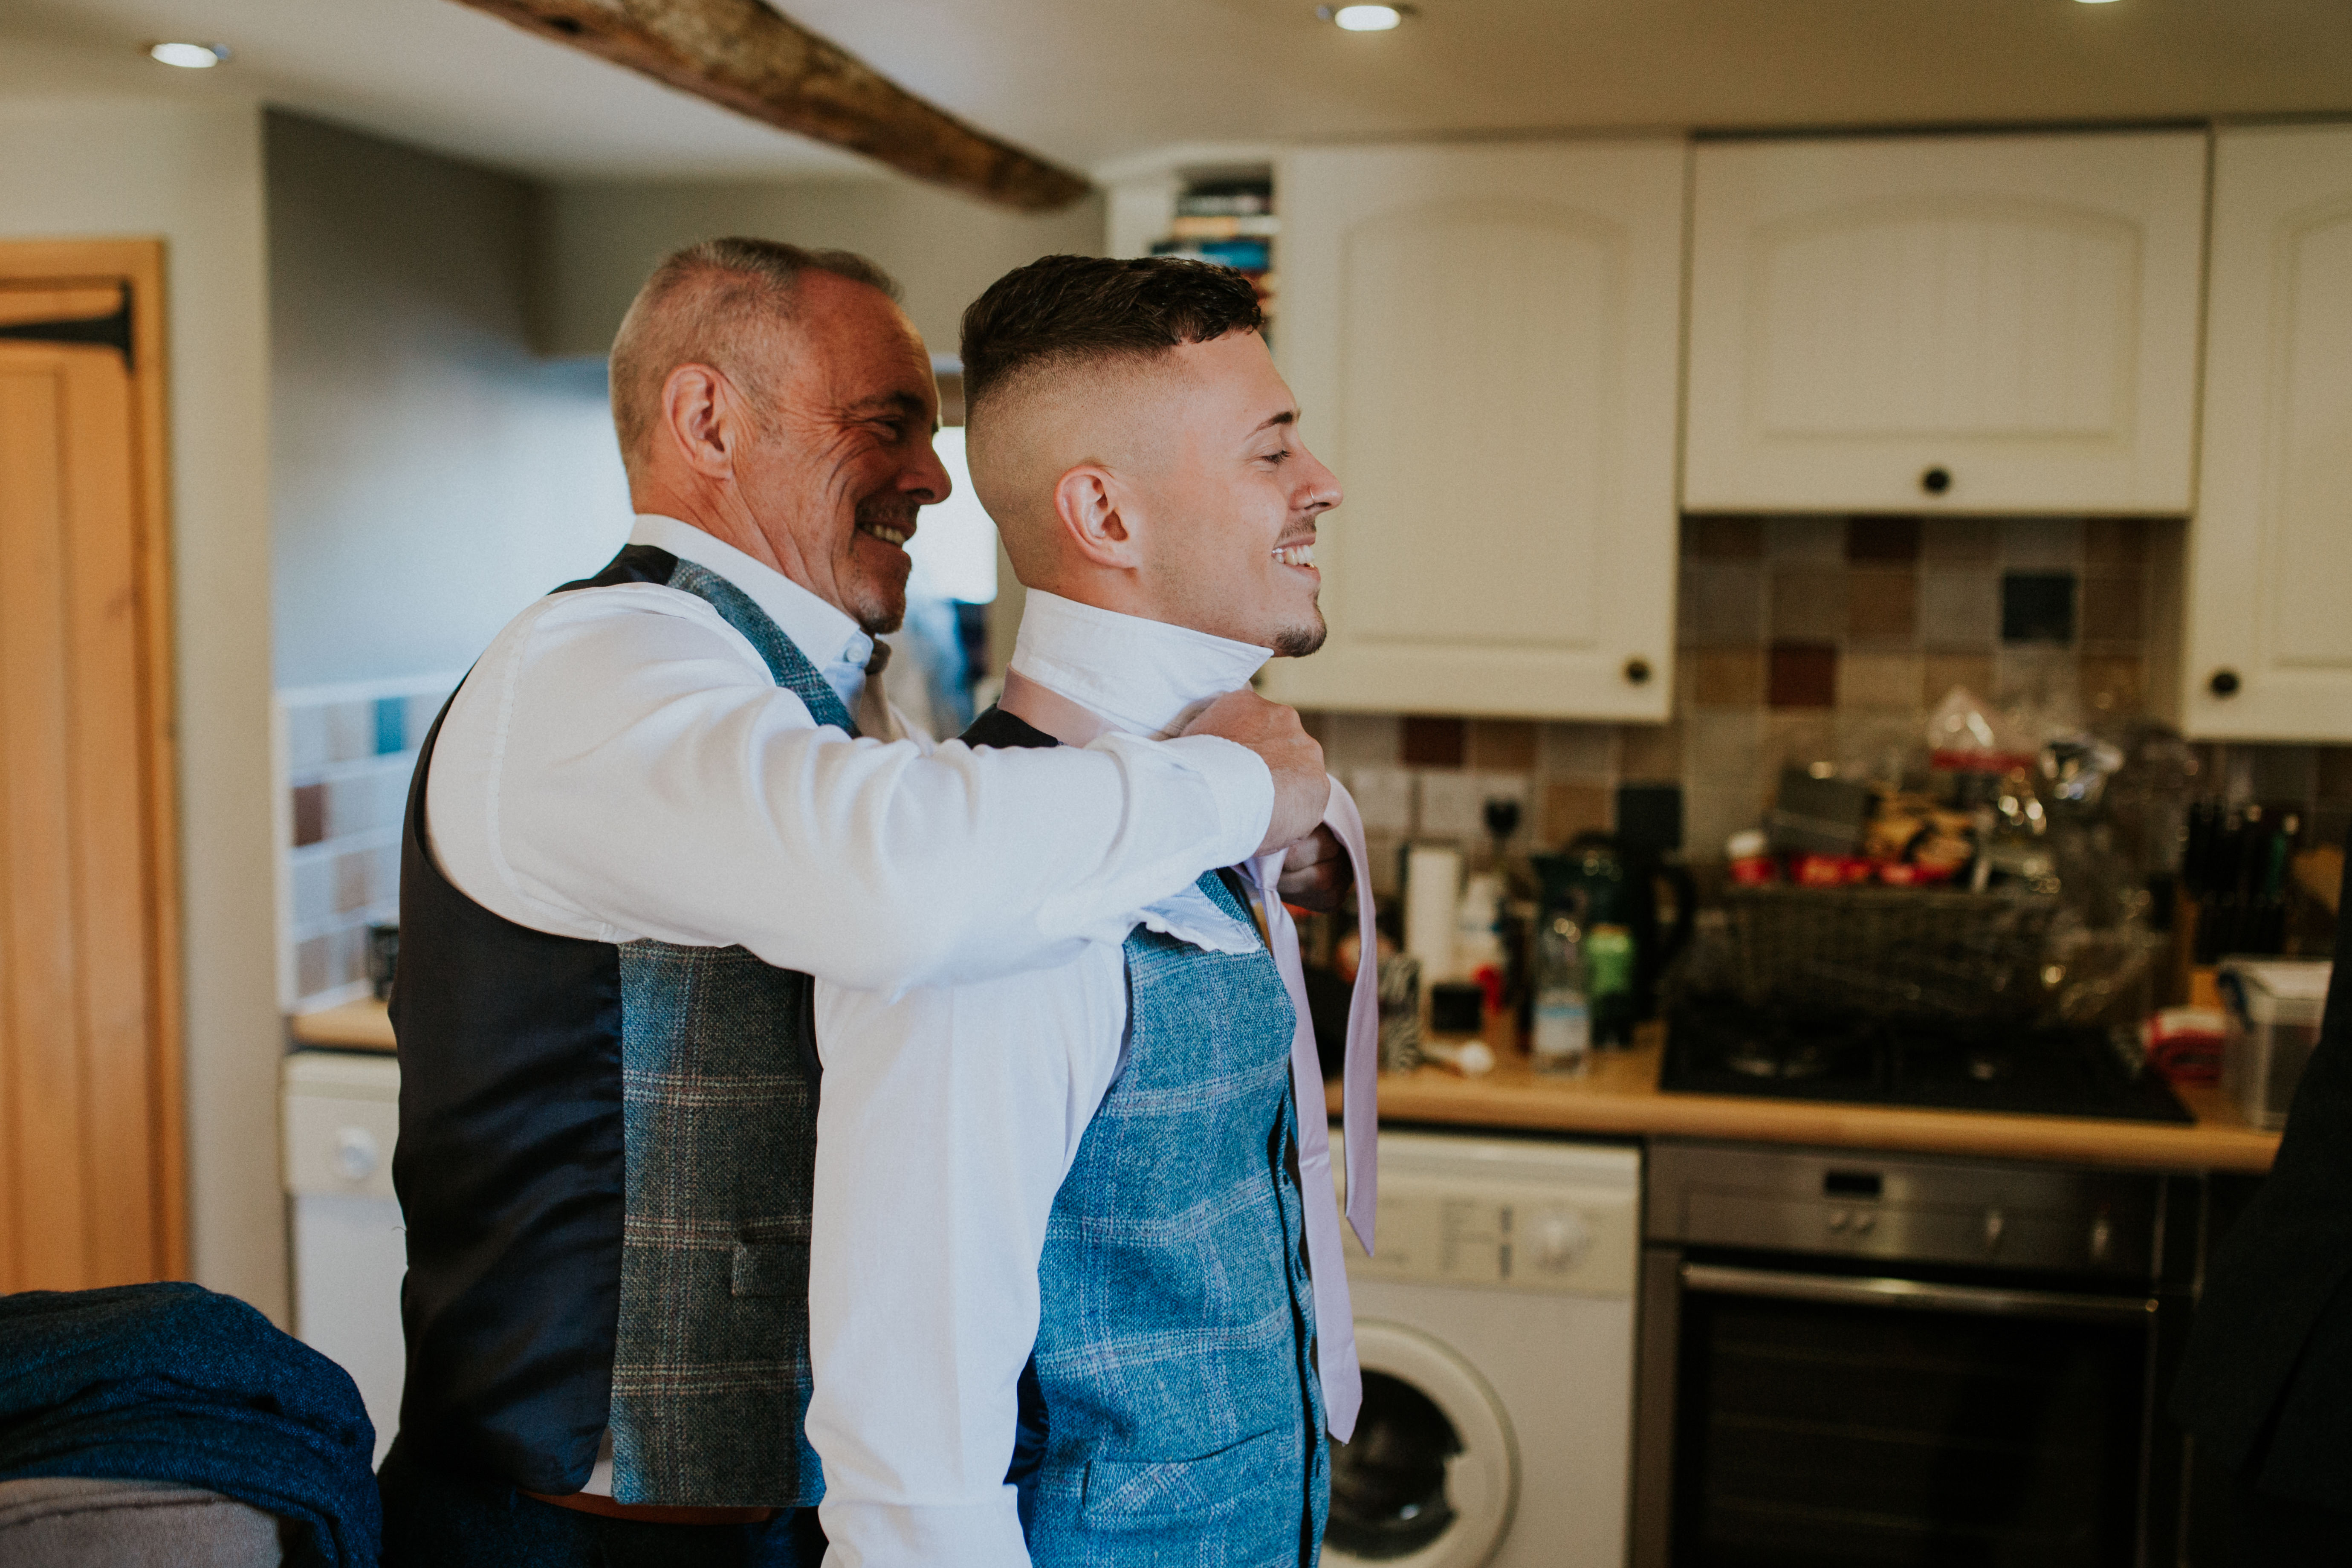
pixel 2095 2
pixel 188 57
pixel 1364 19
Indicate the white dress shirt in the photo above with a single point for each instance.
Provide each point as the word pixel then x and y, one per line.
pixel 622 764
pixel 949 1117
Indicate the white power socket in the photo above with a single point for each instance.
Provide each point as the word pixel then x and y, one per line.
pixel 1384 795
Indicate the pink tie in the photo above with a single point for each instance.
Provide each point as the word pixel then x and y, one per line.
pixel 1335 1324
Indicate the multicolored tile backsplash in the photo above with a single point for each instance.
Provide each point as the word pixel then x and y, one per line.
pixel 1800 640
pixel 1805 640
pixel 345 754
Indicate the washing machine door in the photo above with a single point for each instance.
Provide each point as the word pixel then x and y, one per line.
pixel 1432 1474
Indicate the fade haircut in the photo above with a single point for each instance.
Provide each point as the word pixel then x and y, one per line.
pixel 1060 312
pixel 706 305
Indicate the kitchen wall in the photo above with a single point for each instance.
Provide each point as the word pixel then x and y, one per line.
pixel 601 239
pixel 1825 639
pixel 116 162
pixel 430 473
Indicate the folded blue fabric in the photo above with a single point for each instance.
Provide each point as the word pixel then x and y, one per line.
pixel 172 1383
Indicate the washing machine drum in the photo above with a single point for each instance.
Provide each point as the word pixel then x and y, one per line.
pixel 1430 1476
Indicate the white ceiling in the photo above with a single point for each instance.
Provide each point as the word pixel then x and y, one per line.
pixel 1091 82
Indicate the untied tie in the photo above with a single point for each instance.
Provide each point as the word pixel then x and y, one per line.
pixel 1335 1324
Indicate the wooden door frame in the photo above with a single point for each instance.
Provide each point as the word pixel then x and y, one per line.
pixel 138 263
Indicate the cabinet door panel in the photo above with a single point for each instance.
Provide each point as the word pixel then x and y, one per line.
pixel 1482 343
pixel 2018 312
pixel 1437 464
pixel 2269 586
pixel 2026 313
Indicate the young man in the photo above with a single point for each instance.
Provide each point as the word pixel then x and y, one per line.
pixel 1093 1203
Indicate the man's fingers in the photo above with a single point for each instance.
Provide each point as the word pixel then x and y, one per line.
pixel 1315 872
pixel 1315 848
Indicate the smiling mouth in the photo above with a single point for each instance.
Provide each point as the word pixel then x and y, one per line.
pixel 1296 554
pixel 884 533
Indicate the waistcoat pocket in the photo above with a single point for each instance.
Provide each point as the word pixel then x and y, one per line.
pixel 765 1268
pixel 1150 1494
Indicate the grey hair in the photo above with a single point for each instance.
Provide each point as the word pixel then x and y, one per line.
pixel 703 305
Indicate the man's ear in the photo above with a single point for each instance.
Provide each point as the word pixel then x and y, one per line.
pixel 1094 508
pixel 701 419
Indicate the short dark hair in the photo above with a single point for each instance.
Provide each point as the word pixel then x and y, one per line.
pixel 1066 309
pixel 701 304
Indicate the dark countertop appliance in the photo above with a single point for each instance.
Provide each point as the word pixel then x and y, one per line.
pixel 1723 1047
pixel 1890 996
pixel 1883 1361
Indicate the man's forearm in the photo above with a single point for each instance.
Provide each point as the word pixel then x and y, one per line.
pixel 686 803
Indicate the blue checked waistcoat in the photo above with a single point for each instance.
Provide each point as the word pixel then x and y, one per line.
pixel 605 1164
pixel 1171 1411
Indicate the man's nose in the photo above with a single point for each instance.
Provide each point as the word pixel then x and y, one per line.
pixel 925 480
pixel 1321 491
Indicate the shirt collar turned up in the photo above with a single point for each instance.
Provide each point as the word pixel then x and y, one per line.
pixel 1145 678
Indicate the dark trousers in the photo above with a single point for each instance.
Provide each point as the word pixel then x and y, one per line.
pixel 435 1520
pixel 2268 1531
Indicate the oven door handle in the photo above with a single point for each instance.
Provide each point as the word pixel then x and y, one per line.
pixel 1721 1279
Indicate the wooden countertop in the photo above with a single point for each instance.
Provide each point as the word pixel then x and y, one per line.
pixel 1620 1096
pixel 354 1026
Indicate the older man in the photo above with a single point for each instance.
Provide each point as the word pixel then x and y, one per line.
pixel 663 798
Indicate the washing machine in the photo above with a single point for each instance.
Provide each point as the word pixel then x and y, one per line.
pixel 1496 1330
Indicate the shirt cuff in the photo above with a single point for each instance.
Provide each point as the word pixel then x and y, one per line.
pixel 1242 785
pixel 888 1535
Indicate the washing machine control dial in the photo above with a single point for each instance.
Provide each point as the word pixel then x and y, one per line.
pixel 1559 1239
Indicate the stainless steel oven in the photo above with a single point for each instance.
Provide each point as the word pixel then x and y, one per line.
pixel 1850 1361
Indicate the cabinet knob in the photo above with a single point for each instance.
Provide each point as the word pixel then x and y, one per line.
pixel 356 1153
pixel 1935 482
pixel 1637 670
pixel 2225 683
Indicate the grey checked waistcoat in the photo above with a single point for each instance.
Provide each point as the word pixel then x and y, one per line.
pixel 719 1078
pixel 1174 1364
pixel 606 1161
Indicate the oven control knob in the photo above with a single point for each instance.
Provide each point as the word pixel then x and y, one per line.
pixel 2103 1239
pixel 1864 1222
pixel 1996 1226
pixel 1840 1219
pixel 1561 1239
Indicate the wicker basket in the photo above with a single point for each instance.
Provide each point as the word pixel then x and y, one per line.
pixel 1890 953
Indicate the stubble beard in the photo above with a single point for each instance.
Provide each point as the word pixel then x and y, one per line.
pixel 1297 642
pixel 878 604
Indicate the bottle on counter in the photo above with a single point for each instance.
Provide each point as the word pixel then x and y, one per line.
pixel 1562 1040
pixel 1609 985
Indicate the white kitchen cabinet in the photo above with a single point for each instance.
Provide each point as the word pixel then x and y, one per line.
pixel 1954 324
pixel 2268 652
pixel 1483 343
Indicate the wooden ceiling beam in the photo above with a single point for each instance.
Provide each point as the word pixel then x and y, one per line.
pixel 747 56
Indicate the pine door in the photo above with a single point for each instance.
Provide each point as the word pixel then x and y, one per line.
pixel 2269 650
pixel 1944 323
pixel 1483 343
pixel 89 1092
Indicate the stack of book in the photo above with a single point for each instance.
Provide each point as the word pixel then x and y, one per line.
pixel 1231 223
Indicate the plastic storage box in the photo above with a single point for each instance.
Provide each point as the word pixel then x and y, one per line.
pixel 2274 1006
